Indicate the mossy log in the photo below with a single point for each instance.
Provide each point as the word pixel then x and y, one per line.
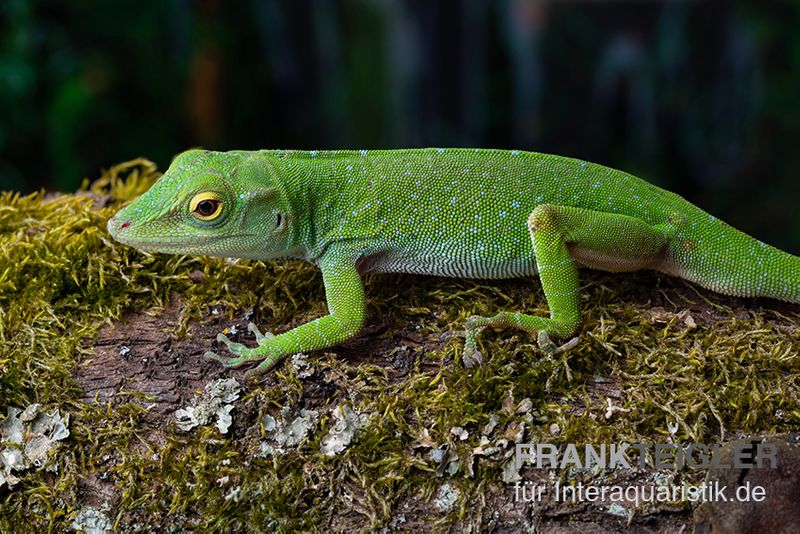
pixel 115 337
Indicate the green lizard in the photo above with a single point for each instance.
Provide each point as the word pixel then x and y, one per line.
pixel 449 212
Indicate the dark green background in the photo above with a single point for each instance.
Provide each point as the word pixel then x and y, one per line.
pixel 700 97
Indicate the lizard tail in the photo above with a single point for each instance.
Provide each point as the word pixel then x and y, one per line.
pixel 726 260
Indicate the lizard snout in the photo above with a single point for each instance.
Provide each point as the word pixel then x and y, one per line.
pixel 116 225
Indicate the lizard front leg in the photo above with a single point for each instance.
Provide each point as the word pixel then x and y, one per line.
pixel 344 292
pixel 561 235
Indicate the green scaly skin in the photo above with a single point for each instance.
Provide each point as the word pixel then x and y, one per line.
pixel 470 213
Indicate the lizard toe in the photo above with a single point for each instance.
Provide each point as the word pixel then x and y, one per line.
pixel 550 348
pixel 472 358
pixel 227 361
pixel 236 348
pixel 252 375
pixel 261 338
pixel 546 344
pixel 214 356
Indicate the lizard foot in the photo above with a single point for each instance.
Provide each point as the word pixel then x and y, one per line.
pixel 475 325
pixel 242 353
pixel 264 352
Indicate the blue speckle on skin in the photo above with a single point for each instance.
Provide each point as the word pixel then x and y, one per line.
pixel 440 150
pixel 515 152
pixel 349 167
pixel 515 204
pixel 314 153
pixel 363 152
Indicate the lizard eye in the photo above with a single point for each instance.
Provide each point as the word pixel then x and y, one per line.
pixel 206 206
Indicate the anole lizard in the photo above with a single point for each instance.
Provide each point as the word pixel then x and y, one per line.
pixel 470 213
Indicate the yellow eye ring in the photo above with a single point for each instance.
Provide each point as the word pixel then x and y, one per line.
pixel 206 206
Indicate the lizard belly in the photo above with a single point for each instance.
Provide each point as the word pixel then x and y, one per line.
pixel 466 266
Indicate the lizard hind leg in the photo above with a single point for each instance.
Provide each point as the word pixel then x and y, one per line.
pixel 561 236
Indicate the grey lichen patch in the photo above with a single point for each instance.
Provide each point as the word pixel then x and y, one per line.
pixel 214 404
pixel 446 459
pixel 446 498
pixel 27 436
pixel 459 432
pixel 286 431
pixel 346 424
pixel 511 472
pixel 619 510
pixel 91 520
pixel 304 369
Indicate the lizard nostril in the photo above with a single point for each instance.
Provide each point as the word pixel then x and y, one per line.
pixel 124 225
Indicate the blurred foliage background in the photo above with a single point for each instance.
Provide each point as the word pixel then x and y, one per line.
pixel 700 97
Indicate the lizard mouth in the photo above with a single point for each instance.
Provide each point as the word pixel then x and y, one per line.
pixel 122 231
pixel 169 243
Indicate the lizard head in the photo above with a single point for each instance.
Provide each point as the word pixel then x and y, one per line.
pixel 224 204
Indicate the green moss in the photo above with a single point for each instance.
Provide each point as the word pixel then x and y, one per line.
pixel 62 278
